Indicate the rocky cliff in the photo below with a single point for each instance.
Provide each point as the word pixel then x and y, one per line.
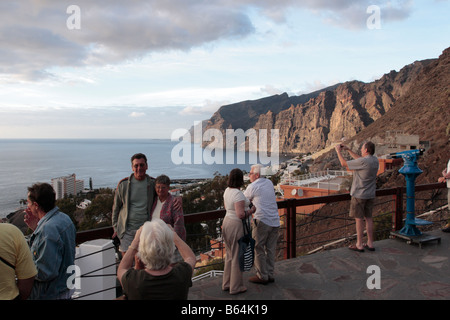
pixel 424 110
pixel 309 123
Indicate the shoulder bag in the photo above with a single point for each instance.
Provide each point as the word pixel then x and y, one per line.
pixel 246 247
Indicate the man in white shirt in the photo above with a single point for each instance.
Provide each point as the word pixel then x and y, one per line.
pixel 446 177
pixel 266 223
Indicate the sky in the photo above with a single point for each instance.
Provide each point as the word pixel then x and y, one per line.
pixel 142 69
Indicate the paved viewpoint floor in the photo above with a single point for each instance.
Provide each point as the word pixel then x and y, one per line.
pixel 406 272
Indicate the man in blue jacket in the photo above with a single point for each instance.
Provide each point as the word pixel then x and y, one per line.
pixel 52 243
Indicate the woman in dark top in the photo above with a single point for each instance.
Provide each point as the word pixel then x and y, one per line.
pixel 154 243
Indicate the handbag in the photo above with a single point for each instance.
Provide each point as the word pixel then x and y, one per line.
pixel 246 247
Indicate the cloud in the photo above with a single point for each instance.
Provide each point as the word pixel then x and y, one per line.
pixel 316 85
pixel 349 14
pixel 35 37
pixel 271 90
pixel 136 114
pixel 93 122
pixel 206 110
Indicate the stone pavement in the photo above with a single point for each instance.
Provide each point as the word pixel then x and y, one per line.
pixel 406 271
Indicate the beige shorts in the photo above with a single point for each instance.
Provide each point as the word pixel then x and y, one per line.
pixel 361 208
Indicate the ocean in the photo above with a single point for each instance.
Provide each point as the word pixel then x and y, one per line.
pixel 24 162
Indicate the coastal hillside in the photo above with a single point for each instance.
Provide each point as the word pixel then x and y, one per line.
pixel 424 110
pixel 309 123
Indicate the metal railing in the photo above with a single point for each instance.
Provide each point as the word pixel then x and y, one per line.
pixel 390 202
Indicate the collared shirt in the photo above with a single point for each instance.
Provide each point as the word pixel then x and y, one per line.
pixel 262 194
pixel 53 250
pixel 365 171
pixel 170 215
pixel 17 260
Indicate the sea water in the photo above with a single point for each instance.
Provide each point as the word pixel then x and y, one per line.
pixel 25 162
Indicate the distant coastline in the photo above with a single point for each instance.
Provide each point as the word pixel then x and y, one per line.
pixel 107 161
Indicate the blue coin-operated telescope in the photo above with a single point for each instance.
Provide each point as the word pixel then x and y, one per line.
pixel 410 170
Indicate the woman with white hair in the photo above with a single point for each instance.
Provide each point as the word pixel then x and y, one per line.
pixel 154 243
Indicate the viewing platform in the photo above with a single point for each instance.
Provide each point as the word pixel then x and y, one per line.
pixel 406 271
pixel 314 262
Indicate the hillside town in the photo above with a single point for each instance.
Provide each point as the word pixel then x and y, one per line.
pixel 295 181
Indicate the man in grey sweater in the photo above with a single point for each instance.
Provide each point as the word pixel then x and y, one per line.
pixel 365 168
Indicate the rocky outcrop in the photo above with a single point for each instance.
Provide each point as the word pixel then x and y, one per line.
pixel 423 110
pixel 17 218
pixel 309 123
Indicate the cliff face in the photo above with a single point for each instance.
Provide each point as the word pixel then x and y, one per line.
pixel 423 110
pixel 309 123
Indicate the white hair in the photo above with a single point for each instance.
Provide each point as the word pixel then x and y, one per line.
pixel 156 245
pixel 256 168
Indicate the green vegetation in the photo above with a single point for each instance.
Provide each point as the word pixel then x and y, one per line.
pixel 205 196
pixel 382 225
pixel 96 215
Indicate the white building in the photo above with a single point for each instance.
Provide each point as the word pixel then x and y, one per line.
pixel 84 204
pixel 68 185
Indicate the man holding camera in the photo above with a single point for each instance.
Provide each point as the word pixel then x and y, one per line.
pixel 365 168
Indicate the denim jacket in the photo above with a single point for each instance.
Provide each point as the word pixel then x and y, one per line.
pixel 53 250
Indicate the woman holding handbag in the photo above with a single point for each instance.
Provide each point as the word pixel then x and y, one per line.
pixel 236 205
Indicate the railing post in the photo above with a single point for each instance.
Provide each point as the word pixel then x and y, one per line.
pixel 293 229
pixel 397 218
pixel 287 233
pixel 291 242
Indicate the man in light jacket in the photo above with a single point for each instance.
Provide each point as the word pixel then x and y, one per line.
pixel 133 202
